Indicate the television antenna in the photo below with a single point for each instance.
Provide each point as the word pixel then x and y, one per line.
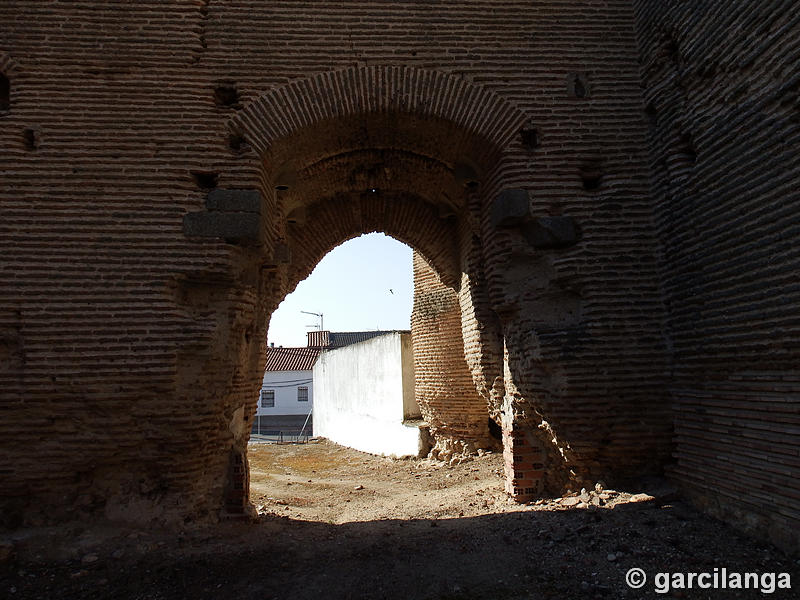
pixel 319 325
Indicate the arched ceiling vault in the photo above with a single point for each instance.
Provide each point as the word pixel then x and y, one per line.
pixel 404 217
pixel 381 148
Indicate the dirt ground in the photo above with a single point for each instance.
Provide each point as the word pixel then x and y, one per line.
pixel 336 523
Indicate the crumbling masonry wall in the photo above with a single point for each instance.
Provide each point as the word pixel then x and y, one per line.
pixel 170 171
pixel 444 390
pixel 721 92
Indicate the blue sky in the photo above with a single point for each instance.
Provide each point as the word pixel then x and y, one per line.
pixel 351 288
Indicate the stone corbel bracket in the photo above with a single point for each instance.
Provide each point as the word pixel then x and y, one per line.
pixel 512 209
pixel 234 215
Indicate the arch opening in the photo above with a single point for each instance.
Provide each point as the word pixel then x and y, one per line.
pixel 406 392
pixel 407 192
pixel 406 160
pixel 353 311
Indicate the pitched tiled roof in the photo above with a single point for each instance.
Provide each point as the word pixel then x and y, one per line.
pixel 291 359
pixel 328 340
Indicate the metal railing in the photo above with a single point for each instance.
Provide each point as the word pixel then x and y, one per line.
pixel 289 435
pixel 308 416
pixel 275 436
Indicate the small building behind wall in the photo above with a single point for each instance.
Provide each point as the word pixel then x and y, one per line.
pixel 286 397
pixel 287 391
pixel 364 396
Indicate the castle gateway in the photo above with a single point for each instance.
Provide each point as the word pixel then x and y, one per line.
pixel 602 197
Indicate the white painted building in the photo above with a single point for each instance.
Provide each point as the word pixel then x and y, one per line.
pixel 364 396
pixel 287 390
pixel 286 393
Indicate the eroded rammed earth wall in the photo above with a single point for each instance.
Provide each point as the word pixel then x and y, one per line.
pixel 721 91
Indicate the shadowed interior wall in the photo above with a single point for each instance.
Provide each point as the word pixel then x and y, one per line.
pixel 721 96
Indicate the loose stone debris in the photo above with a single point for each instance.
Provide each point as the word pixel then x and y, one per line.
pixel 416 529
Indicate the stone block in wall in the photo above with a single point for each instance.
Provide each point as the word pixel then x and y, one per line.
pixel 551 232
pixel 234 200
pixel 234 215
pixel 235 226
pixel 511 208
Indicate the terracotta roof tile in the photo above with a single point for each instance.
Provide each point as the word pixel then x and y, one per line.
pixel 291 359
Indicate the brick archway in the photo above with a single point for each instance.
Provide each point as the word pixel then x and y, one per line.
pixel 401 151
pixel 376 142
pixel 357 91
pixel 164 198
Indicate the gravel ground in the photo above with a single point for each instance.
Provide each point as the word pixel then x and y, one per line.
pixel 336 523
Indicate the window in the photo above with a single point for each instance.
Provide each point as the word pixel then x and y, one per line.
pixel 302 394
pixel 267 398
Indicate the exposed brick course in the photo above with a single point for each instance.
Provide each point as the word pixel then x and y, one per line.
pixel 443 386
pixel 721 98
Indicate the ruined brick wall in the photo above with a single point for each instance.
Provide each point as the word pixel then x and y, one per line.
pixel 721 97
pixel 129 345
pixel 443 386
pixel 172 170
pixel 570 265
